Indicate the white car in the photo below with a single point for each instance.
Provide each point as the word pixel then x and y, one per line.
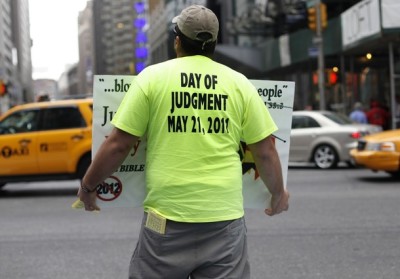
pixel 325 138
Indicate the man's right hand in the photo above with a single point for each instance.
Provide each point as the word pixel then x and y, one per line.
pixel 279 203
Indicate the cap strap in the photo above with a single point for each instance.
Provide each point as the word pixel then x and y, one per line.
pixel 205 42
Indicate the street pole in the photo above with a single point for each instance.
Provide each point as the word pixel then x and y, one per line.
pixel 321 63
pixel 393 77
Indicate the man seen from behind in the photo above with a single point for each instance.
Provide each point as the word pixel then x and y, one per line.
pixel 194 113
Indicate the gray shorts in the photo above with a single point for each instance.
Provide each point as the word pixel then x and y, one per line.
pixel 192 250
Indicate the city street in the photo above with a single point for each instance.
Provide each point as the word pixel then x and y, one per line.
pixel 342 223
pixel 328 72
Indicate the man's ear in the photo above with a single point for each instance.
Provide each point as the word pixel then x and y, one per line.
pixel 177 46
pixel 177 40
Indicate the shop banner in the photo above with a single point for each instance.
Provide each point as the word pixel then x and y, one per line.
pixel 360 22
pixel 126 187
pixel 390 13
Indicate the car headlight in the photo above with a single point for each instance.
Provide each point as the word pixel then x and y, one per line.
pixel 381 146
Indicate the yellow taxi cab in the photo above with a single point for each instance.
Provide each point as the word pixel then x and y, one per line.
pixel 46 141
pixel 379 152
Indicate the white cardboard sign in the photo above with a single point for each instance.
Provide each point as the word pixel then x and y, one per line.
pixel 126 187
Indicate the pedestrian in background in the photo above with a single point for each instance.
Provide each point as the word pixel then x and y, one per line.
pixel 377 115
pixel 358 115
pixel 193 223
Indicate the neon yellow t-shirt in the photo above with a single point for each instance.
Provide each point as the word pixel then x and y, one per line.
pixel 195 111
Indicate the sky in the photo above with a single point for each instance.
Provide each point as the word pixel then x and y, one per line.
pixel 54 32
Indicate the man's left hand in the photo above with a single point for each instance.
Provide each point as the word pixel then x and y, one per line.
pixel 89 199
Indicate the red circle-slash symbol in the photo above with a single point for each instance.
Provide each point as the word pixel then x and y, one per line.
pixel 110 189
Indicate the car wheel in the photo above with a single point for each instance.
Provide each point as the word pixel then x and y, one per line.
pixel 83 165
pixel 325 157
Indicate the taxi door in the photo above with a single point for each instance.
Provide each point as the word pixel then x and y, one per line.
pixel 18 143
pixel 59 142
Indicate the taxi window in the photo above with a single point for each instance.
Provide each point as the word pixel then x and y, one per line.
pixel 20 122
pixel 62 118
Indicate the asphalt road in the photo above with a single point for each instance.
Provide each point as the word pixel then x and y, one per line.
pixel 342 223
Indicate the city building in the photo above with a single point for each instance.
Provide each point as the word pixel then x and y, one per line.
pixel 68 84
pixel 358 41
pixel 353 56
pixel 120 43
pixel 15 53
pixel 45 89
pixel 86 49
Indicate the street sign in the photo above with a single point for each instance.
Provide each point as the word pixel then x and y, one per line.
pixel 311 3
pixel 313 51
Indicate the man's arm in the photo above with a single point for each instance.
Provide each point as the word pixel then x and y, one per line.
pixel 269 167
pixel 109 157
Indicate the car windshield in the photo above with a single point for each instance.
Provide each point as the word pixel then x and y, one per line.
pixel 337 118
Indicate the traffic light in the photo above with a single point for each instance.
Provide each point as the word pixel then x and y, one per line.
pixel 324 15
pixel 333 78
pixel 3 88
pixel 312 16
